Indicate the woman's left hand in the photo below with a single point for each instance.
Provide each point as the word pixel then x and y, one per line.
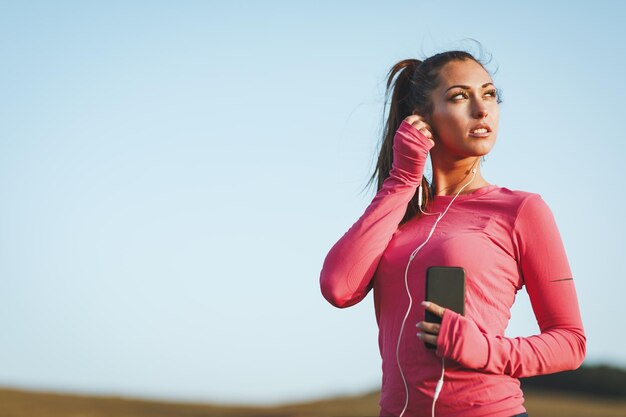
pixel 430 331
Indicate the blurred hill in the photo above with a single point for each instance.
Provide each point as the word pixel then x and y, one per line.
pixel 602 380
pixel 586 392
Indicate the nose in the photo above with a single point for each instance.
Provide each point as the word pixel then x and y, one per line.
pixel 480 110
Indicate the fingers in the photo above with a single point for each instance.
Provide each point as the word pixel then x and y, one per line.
pixel 432 328
pixel 428 338
pixel 420 124
pixel 430 331
pixel 437 310
pixel 417 120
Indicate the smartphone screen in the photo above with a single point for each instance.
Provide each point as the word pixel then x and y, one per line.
pixel 445 286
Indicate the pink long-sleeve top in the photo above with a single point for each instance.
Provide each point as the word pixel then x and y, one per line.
pixel 503 239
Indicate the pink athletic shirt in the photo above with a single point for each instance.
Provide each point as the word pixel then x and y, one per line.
pixel 503 239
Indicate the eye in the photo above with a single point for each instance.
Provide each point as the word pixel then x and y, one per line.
pixel 497 94
pixel 492 92
pixel 460 93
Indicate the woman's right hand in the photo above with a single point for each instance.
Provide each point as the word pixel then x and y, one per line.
pixel 411 144
pixel 420 124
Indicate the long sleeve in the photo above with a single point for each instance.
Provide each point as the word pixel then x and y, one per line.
pixel 542 261
pixel 347 271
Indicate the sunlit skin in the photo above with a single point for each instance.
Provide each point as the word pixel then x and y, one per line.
pixel 430 331
pixel 456 110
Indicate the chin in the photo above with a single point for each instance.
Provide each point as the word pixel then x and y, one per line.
pixel 483 148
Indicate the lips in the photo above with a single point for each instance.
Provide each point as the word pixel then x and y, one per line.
pixel 481 130
pixel 484 126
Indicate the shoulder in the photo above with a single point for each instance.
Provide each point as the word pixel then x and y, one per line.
pixel 530 212
pixel 516 195
pixel 523 210
pixel 515 201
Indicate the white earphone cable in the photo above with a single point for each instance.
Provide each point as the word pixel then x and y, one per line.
pixel 406 283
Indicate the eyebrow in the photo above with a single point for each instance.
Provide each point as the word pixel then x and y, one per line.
pixel 467 87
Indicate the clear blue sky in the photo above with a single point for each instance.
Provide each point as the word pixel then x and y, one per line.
pixel 172 175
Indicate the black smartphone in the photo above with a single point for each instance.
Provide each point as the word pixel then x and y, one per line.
pixel 445 286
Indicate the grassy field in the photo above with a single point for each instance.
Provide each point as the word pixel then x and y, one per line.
pixel 16 403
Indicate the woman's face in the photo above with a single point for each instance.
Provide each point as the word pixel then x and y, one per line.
pixel 464 99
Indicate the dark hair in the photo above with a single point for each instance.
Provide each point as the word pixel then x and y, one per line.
pixel 412 90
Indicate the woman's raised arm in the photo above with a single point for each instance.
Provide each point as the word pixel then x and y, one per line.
pixel 346 274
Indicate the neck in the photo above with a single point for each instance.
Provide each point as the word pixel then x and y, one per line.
pixel 449 178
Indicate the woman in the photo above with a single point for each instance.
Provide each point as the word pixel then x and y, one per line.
pixel 448 106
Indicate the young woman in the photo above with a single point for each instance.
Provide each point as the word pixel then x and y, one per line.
pixel 503 239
